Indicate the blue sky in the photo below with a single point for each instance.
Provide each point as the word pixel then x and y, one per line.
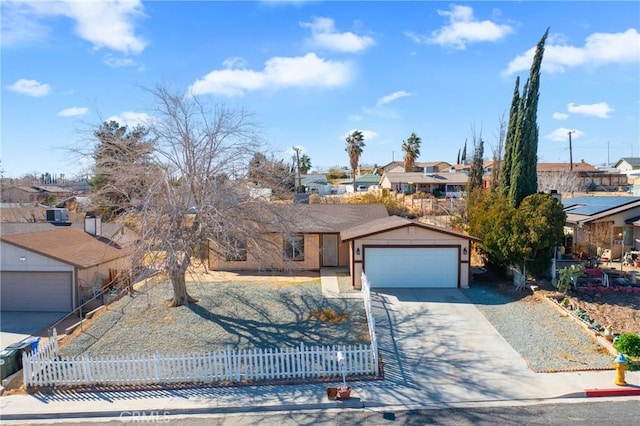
pixel 312 71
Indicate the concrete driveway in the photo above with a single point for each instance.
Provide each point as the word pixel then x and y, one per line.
pixel 437 347
pixel 16 326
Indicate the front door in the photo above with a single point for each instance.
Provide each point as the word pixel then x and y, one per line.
pixel 330 250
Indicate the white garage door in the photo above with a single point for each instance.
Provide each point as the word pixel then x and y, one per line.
pixel 412 266
pixel 36 291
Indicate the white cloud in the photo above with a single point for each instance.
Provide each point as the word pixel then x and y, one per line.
pixel 235 62
pixel 105 24
pixel 324 35
pixel 73 112
pixel 599 49
pixel 19 26
pixel 132 119
pixel 560 116
pixel 279 72
pixel 392 97
pixel 562 135
pixel 30 87
pixel 115 62
pixel 600 110
pixel 463 29
pixel 367 134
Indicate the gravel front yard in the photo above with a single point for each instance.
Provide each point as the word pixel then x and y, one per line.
pixel 546 339
pixel 240 315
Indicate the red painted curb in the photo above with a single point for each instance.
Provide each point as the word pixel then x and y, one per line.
pixel 621 391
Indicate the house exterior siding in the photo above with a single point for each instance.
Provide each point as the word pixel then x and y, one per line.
pixel 271 257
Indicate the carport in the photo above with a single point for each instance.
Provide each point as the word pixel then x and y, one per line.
pixel 396 252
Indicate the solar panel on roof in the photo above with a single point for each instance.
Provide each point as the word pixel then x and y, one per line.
pixel 589 206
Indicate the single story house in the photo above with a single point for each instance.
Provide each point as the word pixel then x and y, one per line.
pixel 316 183
pixel 627 164
pixel 367 180
pixel 447 184
pixel 595 223
pixel 308 239
pixel 399 252
pixel 55 269
pixel 587 177
pixel 21 194
pixel 419 166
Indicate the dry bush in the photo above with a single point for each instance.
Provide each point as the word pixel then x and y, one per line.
pixel 329 315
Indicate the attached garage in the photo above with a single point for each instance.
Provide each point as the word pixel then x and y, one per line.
pixel 36 291
pixel 404 253
pixel 54 270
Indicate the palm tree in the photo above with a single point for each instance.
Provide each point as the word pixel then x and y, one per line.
pixel 305 164
pixel 411 149
pixel 355 143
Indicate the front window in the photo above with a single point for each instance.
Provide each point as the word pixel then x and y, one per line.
pixel 294 248
pixel 237 250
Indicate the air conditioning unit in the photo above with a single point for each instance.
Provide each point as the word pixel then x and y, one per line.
pixel 57 215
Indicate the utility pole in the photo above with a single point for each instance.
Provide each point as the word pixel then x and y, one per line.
pixel 298 180
pixel 570 152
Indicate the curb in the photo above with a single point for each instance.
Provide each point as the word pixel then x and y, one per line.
pixel 162 413
pixel 621 391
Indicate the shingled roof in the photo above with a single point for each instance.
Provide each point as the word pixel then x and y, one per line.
pixel 394 222
pixel 68 245
pixel 331 218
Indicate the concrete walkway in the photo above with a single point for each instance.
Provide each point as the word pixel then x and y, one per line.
pixel 437 348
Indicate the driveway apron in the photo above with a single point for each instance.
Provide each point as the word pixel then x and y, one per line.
pixel 437 347
pixel 17 326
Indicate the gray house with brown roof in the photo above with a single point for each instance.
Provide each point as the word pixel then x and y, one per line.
pixel 56 269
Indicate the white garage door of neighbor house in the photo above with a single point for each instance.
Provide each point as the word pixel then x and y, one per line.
pixel 36 291
pixel 412 266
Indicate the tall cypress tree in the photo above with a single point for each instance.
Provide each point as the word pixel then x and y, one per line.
pixel 505 169
pixel 524 157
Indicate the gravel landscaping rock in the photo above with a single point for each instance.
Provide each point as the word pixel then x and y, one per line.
pixel 546 339
pixel 236 315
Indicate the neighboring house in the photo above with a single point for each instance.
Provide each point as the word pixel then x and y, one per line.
pixel 365 181
pixel 447 184
pixel 56 269
pixel 429 166
pixel 627 164
pixel 55 191
pixel 312 240
pixel 33 194
pixel 21 194
pixel 588 177
pixel 595 223
pixel 316 183
pixel 403 253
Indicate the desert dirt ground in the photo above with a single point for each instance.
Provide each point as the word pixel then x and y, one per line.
pixel 617 306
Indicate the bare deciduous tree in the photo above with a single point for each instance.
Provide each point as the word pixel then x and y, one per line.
pixel 195 187
pixel 497 152
pixel 565 182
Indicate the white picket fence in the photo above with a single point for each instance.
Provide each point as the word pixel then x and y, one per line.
pixel 366 290
pixel 46 368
